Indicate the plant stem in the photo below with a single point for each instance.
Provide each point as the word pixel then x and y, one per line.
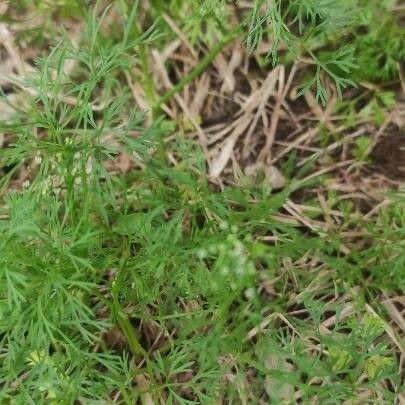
pixel 147 79
pixel 197 70
pixel 128 330
pixel 121 317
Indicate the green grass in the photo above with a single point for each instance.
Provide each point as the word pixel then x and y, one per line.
pixel 108 279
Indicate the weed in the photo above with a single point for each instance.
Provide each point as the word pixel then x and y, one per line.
pixel 154 285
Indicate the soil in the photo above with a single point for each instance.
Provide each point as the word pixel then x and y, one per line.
pixel 388 156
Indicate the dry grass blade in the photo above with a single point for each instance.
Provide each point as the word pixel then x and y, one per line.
pixel 271 131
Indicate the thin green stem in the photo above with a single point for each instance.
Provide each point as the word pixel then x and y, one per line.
pixel 121 317
pixel 147 79
pixel 128 330
pixel 124 324
pixel 197 70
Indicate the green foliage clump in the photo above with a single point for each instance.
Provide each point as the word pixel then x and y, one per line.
pixel 236 299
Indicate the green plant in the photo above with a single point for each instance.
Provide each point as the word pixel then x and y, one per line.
pixel 149 285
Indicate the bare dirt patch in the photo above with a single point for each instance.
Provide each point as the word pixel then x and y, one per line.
pixel 388 156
